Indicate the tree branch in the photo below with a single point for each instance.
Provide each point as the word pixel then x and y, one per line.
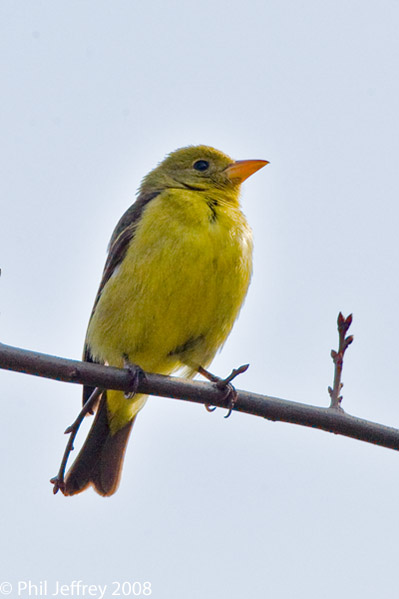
pixel 338 359
pixel 272 408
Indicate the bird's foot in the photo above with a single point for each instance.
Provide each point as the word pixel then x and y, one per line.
pixel 137 374
pixel 230 393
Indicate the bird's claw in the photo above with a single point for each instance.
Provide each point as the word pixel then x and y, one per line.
pixel 230 394
pixel 136 373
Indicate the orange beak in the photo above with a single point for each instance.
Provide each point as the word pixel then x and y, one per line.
pixel 242 169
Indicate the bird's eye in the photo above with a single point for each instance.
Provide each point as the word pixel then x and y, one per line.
pixel 201 165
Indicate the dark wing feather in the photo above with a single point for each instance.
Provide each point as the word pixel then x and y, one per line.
pixel 118 246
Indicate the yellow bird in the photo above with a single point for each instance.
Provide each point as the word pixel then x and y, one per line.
pixel 178 269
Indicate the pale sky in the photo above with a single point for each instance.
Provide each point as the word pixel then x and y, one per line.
pixel 94 94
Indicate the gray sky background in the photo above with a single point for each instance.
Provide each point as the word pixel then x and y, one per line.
pixel 94 94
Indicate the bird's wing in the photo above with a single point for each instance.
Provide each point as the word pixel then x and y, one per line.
pixel 118 246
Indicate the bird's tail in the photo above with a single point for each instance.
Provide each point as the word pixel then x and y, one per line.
pixel 99 462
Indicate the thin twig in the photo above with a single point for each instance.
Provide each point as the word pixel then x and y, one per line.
pixel 72 430
pixel 272 408
pixel 338 359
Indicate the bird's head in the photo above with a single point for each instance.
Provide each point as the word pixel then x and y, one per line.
pixel 200 168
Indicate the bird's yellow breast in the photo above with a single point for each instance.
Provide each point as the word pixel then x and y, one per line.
pixel 175 296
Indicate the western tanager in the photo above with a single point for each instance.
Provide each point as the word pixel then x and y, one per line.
pixel 178 269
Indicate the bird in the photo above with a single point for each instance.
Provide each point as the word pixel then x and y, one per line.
pixel 177 272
